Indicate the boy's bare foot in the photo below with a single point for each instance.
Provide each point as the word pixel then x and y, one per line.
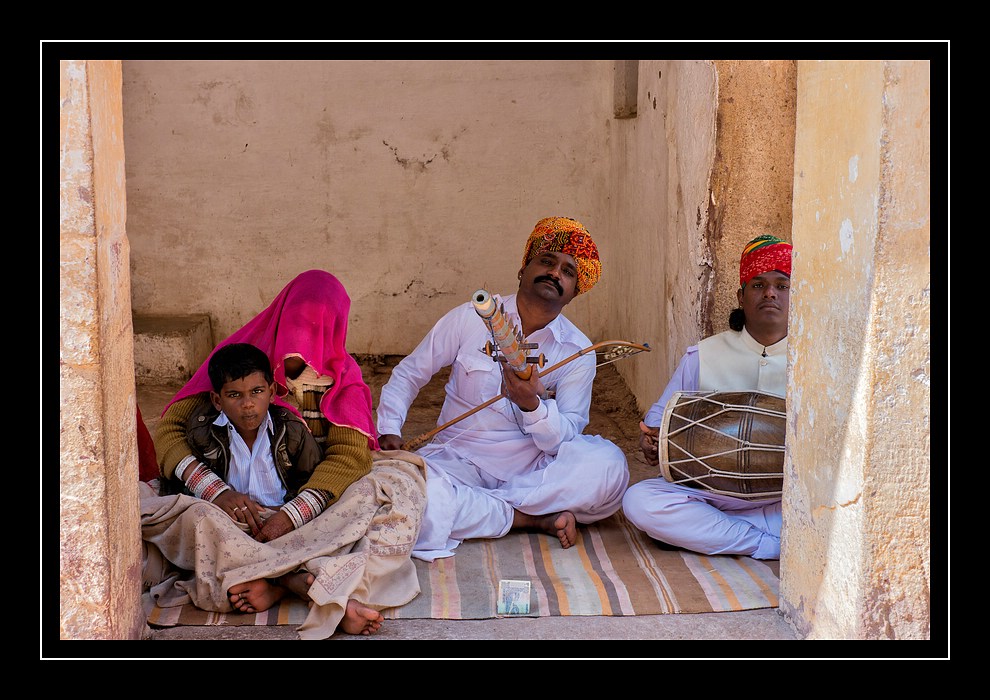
pixel 255 596
pixel 298 582
pixel 360 619
pixel 563 525
pixel 261 594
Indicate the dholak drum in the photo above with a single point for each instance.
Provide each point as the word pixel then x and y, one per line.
pixel 730 443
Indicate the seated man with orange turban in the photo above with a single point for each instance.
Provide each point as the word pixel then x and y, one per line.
pixel 521 462
pixel 751 356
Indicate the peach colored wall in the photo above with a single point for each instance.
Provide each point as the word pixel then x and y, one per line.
pixel 753 172
pixel 659 180
pixel 415 182
pixel 703 168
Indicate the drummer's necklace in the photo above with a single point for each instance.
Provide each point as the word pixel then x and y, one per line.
pixel 764 351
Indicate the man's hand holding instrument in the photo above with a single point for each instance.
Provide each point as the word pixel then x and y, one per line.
pixel 508 347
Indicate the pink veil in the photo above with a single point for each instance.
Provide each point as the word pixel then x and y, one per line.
pixel 308 317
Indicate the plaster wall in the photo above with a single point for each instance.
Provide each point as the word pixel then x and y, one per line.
pixel 661 163
pixel 704 167
pixel 752 174
pixel 856 545
pixel 414 182
pixel 100 558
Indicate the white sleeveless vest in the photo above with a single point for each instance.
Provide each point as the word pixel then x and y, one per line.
pixel 734 361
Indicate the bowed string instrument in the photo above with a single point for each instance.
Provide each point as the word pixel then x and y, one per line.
pixel 509 347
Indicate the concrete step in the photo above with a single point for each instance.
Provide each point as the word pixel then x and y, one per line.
pixel 169 349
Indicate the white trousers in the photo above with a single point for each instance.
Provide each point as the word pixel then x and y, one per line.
pixel 587 478
pixel 704 522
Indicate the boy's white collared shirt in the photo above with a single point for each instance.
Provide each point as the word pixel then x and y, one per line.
pixel 252 470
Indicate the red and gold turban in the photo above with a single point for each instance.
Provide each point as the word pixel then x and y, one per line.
pixel 763 254
pixel 559 234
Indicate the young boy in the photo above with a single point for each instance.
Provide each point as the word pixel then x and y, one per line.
pixel 251 476
pixel 256 455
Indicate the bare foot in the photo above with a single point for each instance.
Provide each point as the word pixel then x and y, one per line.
pixel 562 524
pixel 298 582
pixel 255 596
pixel 360 619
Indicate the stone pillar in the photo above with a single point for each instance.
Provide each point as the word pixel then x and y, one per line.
pixel 100 556
pixel 855 560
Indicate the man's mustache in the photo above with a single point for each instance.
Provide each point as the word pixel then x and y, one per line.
pixel 547 278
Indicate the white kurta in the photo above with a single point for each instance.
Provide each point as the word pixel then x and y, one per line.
pixel 502 458
pixel 693 518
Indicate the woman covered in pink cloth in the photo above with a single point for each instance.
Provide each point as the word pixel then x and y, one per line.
pixel 306 325
pixel 303 332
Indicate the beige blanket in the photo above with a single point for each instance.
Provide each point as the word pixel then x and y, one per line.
pixel 359 548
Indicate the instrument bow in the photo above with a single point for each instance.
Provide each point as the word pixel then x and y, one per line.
pixel 623 349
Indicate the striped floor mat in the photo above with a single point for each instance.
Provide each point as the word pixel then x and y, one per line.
pixel 614 569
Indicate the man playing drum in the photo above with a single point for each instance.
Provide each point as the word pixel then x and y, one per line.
pixel 752 356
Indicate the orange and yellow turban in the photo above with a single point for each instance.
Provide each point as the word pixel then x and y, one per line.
pixel 559 234
pixel 763 254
